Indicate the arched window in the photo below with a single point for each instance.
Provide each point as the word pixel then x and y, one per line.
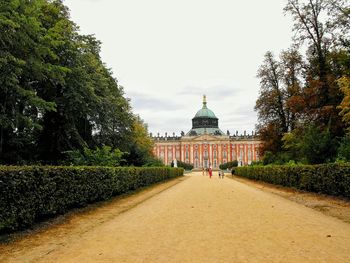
pixel 215 154
pixel 224 154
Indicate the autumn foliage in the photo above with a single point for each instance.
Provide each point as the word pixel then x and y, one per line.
pixel 305 92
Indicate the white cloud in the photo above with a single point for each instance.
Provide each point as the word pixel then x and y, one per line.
pixel 167 54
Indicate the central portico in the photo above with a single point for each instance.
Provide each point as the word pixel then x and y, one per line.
pixel 206 150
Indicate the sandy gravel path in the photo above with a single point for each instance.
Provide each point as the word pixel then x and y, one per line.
pixel 201 220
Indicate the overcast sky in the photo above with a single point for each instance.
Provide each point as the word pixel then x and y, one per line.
pixel 168 53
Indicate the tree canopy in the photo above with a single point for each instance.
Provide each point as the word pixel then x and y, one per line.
pixel 56 94
pixel 303 105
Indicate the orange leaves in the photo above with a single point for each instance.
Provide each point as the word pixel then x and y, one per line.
pixel 344 84
pixel 296 104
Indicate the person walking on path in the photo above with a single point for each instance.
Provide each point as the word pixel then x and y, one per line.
pixel 219 174
pixel 210 172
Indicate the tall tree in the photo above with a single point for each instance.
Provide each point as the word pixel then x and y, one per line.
pixel 314 28
pixel 339 10
pixel 344 83
pixel 22 66
pixel 298 92
pixel 292 67
pixel 270 104
pixel 310 27
pixel 56 94
pixel 279 101
pixel 141 143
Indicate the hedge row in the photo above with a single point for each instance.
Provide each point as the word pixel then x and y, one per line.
pixel 186 166
pixel 331 179
pixel 228 165
pixel 31 193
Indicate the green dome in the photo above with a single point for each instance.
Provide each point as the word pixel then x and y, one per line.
pixel 205 112
pixel 205 122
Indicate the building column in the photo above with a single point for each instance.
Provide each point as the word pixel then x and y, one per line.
pixel 210 154
pixel 239 151
pixel 228 152
pixel 191 153
pixel 182 152
pixel 254 152
pixel 235 150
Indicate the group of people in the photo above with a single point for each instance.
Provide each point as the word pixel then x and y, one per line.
pixel 210 171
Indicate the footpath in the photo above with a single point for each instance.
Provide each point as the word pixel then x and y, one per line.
pixel 196 220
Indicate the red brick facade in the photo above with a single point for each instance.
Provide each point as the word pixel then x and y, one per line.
pixel 207 150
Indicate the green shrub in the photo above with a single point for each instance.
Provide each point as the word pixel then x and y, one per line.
pixel 104 156
pixel 228 165
pixel 344 149
pixel 257 163
pixel 307 144
pixel 332 179
pixel 186 166
pixel 154 162
pixel 318 146
pixel 32 193
pixel 268 158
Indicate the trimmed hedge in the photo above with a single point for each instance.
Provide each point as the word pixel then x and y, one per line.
pixel 228 165
pixel 186 166
pixel 32 193
pixel 331 179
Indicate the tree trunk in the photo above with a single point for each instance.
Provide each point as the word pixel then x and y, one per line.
pixel 1 140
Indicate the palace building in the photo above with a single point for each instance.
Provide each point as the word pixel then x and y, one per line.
pixel 206 145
